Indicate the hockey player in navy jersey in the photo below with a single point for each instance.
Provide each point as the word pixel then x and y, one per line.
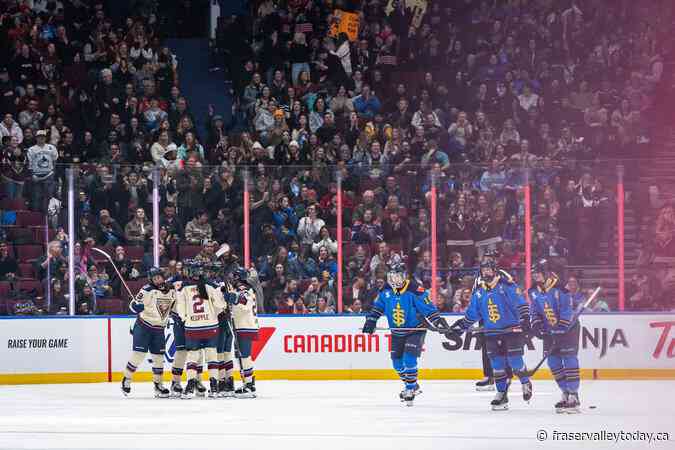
pixel 500 306
pixel 553 321
pixel 406 305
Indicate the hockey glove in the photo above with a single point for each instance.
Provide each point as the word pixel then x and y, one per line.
pixel 536 331
pixel 441 325
pixel 369 326
pixel 558 331
pixel 525 325
pixel 137 307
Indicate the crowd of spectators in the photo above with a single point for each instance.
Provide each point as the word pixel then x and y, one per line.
pixel 474 98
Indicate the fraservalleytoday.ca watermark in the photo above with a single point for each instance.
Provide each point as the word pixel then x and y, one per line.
pixel 604 436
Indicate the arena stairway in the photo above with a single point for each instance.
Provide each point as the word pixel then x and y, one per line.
pixel 199 85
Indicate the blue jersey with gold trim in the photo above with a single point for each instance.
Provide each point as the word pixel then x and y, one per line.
pixel 498 305
pixel 405 307
pixel 552 306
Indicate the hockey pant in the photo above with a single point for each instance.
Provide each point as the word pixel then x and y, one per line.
pixel 405 351
pixel 506 351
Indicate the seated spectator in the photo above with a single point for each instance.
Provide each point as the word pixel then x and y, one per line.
pixel 326 264
pixel 110 233
pixel 356 307
pixel 368 203
pixel 317 289
pixel 198 229
pixel 367 104
pixel 325 240
pixel 309 228
pixel 139 230
pixel 322 306
pixel 9 269
pixel 54 259
pixel 369 231
pixel 395 231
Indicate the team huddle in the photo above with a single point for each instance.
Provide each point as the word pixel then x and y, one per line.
pixel 505 321
pixel 211 318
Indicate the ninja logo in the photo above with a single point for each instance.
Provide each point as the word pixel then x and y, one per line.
pixel 603 339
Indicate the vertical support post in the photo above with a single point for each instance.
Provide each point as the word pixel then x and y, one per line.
pixel 528 229
pixel 434 240
pixel 620 199
pixel 247 221
pixel 49 272
pixel 70 173
pixel 155 217
pixel 340 303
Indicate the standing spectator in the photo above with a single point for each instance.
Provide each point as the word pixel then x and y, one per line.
pixel 309 228
pixel 42 159
pixel 139 230
pixel 367 105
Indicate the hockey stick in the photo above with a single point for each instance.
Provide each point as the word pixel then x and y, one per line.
pixel 575 316
pixel 110 260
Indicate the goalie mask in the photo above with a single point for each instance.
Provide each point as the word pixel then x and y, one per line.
pixel 397 275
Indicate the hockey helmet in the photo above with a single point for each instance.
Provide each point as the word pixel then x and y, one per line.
pixel 239 275
pixel 155 272
pixel 490 264
pixel 397 273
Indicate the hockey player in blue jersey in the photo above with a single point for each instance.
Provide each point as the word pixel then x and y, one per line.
pixel 500 305
pixel 406 305
pixel 553 321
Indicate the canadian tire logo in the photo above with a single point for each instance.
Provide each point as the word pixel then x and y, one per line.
pixel 264 335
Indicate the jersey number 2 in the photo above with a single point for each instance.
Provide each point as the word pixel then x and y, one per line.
pixel 197 305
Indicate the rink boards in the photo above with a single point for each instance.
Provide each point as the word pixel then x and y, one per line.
pixel 95 349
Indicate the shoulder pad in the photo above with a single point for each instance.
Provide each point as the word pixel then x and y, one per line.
pixel 147 288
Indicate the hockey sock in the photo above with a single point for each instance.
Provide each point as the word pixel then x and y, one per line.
pixel 221 365
pixel 399 367
pixel 571 364
pixel 135 360
pixel 211 357
pixel 229 366
pixel 247 369
pixel 556 365
pixel 517 366
pixel 178 364
pixel 157 368
pixel 192 365
pixel 499 372
pixel 410 371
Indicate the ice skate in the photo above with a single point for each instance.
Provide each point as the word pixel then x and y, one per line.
pixel 200 388
pixel 501 402
pixel 416 389
pixel 562 404
pixel 126 386
pixel 160 390
pixel 246 391
pixel 527 391
pixel 486 384
pixel 189 391
pixel 409 396
pixel 176 389
pixel 213 388
pixel 226 388
pixel 573 405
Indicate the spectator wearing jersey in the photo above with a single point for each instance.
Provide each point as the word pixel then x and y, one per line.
pixel 42 159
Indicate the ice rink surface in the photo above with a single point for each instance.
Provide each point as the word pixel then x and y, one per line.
pixel 328 415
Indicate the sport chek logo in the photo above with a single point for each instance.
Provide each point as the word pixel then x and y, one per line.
pixel 264 335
